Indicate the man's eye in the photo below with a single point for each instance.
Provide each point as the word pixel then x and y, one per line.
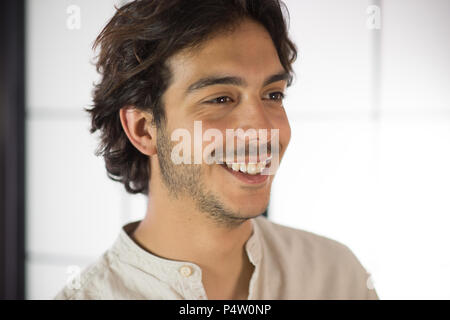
pixel 218 100
pixel 278 95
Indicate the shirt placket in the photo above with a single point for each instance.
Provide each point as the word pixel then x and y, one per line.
pixel 189 278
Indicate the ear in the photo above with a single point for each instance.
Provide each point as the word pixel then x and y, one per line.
pixel 139 128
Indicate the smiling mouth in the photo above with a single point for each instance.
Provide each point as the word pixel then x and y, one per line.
pixel 247 167
pixel 249 173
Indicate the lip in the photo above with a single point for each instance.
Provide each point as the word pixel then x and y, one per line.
pixel 246 178
pixel 247 159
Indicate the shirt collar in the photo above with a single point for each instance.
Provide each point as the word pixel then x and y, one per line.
pixel 253 244
pixel 171 271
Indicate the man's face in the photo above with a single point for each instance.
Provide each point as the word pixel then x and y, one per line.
pixel 247 53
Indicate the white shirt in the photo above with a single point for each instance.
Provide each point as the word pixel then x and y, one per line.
pixel 289 264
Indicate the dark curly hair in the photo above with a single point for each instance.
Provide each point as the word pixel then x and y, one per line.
pixel 134 47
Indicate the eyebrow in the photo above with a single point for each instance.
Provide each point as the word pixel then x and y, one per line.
pixel 236 81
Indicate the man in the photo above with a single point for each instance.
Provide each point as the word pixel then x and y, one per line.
pixel 168 66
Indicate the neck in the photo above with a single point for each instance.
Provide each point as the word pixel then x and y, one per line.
pixel 174 229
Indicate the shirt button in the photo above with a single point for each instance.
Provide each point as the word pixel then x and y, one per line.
pixel 186 271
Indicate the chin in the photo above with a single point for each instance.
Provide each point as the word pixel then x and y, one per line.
pixel 252 211
pixel 248 203
pixel 256 214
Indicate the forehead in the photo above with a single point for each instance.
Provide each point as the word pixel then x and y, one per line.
pixel 248 51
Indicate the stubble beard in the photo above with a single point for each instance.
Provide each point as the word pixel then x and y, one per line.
pixel 184 181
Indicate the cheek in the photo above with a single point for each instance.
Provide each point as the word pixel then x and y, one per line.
pixel 215 133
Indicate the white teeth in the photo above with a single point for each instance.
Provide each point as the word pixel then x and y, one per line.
pixel 261 166
pixel 249 168
pixel 252 168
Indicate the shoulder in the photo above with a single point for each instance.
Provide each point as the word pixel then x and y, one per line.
pixel 309 243
pixel 93 283
pixel 321 260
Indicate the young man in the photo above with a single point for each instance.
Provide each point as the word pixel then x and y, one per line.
pixel 168 66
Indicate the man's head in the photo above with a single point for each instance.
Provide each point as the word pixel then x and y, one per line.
pixel 153 53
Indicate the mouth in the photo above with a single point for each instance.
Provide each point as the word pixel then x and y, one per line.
pixel 249 173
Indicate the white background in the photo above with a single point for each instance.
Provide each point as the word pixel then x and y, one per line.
pixel 380 185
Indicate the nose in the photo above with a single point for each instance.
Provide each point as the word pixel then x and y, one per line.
pixel 257 126
pixel 253 115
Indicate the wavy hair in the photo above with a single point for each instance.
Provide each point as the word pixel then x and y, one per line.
pixel 134 47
